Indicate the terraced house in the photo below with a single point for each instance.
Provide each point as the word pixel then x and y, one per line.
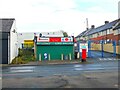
pixel 108 32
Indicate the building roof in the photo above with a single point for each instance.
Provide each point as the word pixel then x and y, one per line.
pixel 118 26
pixel 81 34
pixel 6 24
pixel 103 27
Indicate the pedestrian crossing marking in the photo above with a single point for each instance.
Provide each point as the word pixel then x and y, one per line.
pixel 108 59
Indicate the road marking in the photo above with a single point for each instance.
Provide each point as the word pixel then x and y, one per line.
pixel 107 59
pixel 22 71
pixel 94 68
pixel 116 85
pixel 16 68
pixel 100 59
pixel 77 66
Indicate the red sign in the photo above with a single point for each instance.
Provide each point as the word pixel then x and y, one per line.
pixel 42 39
pixel 67 39
pixel 55 39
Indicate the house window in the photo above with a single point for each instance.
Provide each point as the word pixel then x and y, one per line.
pixel 103 32
pixel 98 34
pixel 119 42
pixel 118 31
pixel 108 31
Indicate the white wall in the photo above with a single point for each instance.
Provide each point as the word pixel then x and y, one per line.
pixel 13 42
pixel 30 36
pixel 52 34
pixel 25 36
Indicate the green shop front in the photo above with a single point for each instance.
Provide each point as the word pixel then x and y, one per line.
pixel 54 49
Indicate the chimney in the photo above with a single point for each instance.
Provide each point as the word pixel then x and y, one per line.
pixel 106 22
pixel 92 26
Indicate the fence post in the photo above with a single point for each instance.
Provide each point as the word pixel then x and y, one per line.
pixel 89 47
pixel 78 44
pixel 102 48
pixel 114 48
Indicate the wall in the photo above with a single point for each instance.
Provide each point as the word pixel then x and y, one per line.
pixel 13 42
pixel 118 49
pixel 52 34
pixel 107 48
pixel 55 51
pixel 30 36
pixel 25 36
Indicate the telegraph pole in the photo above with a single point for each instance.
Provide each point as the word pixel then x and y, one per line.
pixel 87 27
pixel 119 9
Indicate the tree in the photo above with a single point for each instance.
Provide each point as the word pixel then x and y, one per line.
pixel 65 34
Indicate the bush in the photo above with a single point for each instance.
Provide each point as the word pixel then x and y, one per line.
pixel 18 60
pixel 24 56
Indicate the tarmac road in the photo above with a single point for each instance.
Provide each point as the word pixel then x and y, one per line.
pixel 98 54
pixel 103 73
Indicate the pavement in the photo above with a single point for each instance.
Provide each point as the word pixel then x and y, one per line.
pixel 51 62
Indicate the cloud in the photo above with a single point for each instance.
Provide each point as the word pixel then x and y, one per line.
pixel 52 15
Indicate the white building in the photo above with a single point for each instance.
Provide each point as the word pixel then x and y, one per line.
pixel 25 36
pixel 9 40
pixel 52 34
pixel 30 36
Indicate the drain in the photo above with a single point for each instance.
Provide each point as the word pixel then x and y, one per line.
pixel 39 76
pixel 88 77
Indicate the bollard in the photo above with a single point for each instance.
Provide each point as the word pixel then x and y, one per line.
pixel 39 57
pixel 49 57
pixel 61 56
pixel 70 56
pixel 78 55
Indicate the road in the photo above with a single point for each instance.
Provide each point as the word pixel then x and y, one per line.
pixel 96 54
pixel 67 75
